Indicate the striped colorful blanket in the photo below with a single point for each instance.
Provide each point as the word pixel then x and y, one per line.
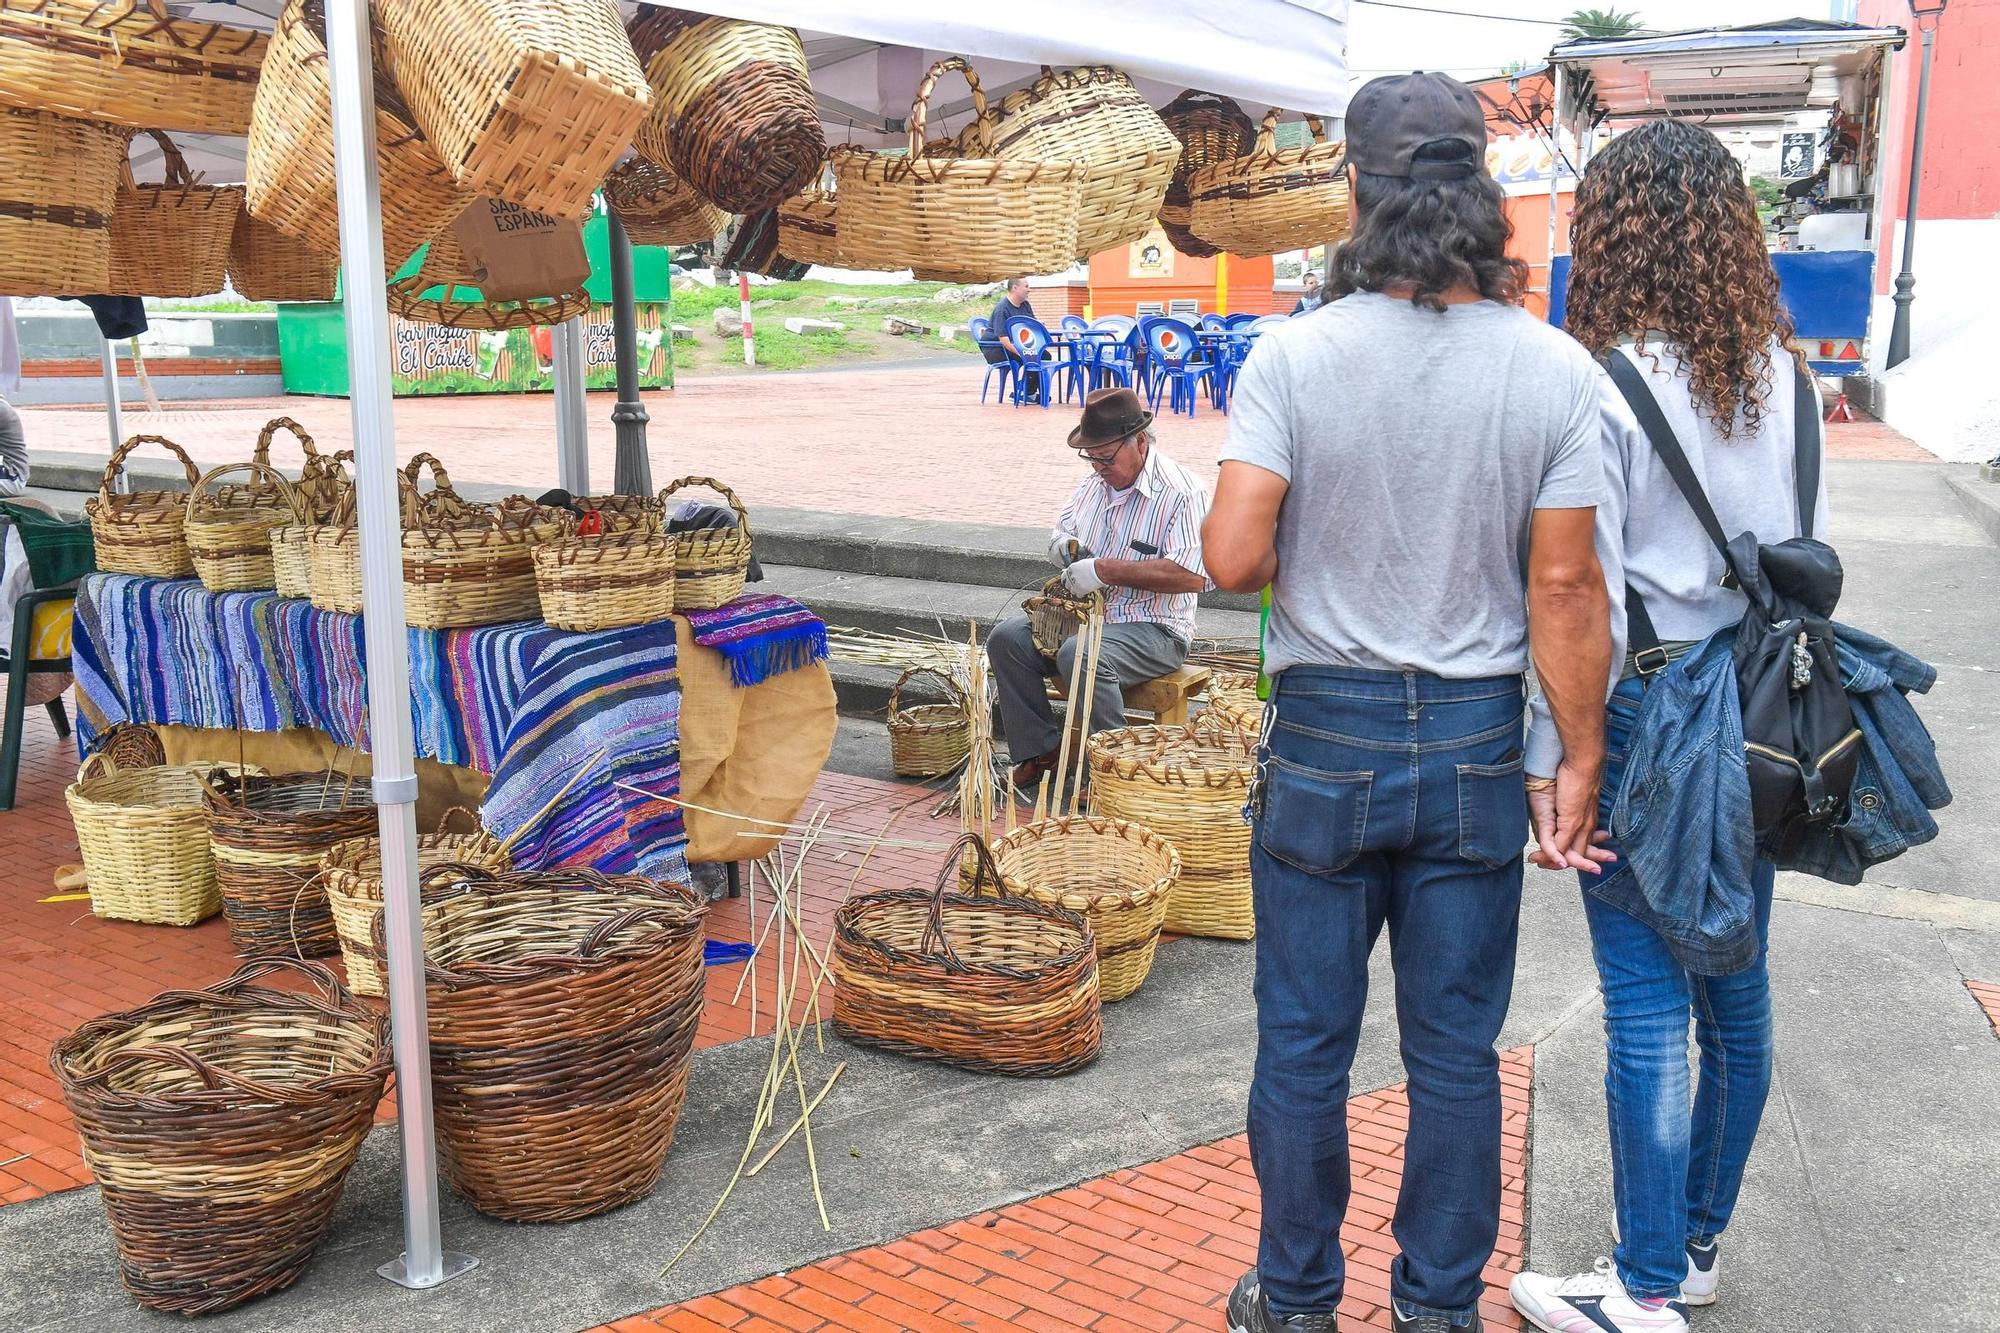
pixel 761 636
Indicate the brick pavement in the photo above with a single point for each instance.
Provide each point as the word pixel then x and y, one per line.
pixel 1988 996
pixel 1153 1248
pixel 899 443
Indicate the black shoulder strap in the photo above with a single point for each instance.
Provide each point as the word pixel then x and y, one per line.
pixel 1631 383
pixel 1806 448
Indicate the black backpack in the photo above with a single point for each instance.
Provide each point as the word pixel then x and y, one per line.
pixel 1799 738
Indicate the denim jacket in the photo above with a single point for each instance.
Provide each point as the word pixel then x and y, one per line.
pixel 1682 811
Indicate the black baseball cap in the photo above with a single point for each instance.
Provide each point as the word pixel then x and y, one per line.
pixel 1391 119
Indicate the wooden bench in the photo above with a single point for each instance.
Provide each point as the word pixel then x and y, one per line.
pixel 1165 697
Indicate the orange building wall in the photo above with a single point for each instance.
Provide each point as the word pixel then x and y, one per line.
pixel 1115 290
pixel 1530 215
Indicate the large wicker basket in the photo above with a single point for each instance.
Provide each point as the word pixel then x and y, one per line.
pixel 733 109
pixel 289 167
pixel 435 294
pixel 974 217
pixel 171 238
pixel 268 835
pixel 221 1124
pixel 656 207
pixel 1210 129
pixel 928 740
pixel 1118 876
pixel 711 565
pixel 531 101
pixel 266 264
pixel 1190 789
pixel 466 565
pixel 143 532
pixel 128 63
pixel 563 1011
pixel 229 529
pixel 995 984
pixel 352 874
pixel 55 208
pixel 1272 199
pixel 144 838
pixel 607 581
pixel 1091 114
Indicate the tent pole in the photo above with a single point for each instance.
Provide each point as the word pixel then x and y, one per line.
pixel 350 71
pixel 632 474
pixel 113 411
pixel 1555 173
pixel 572 425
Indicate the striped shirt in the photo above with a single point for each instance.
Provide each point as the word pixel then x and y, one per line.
pixel 1163 510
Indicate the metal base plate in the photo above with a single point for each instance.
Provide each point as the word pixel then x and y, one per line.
pixel 454 1265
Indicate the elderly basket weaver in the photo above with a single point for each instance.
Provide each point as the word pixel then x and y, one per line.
pixel 1132 529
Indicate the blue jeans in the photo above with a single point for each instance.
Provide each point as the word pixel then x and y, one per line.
pixel 1674 1177
pixel 1384 798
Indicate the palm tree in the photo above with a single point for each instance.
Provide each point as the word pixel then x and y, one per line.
pixel 1583 23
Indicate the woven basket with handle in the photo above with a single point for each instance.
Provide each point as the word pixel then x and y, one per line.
pixel 142 532
pixel 733 109
pixel 563 1010
pixel 1232 707
pixel 334 545
pixel 220 1124
pixel 995 984
pixel 268 835
pixel 618 514
pixel 129 63
pixel 144 839
pixel 466 565
pixel 1054 616
pixel 711 565
pixel 323 489
pixel 1116 875
pixel 171 238
pixel 605 581
pixel 1189 788
pixel 229 529
pixel 58 184
pixel 352 874
pixel 531 101
pixel 975 217
pixel 659 208
pixel 1211 129
pixel 435 294
pixel 1272 199
pixel 266 264
pixel 928 740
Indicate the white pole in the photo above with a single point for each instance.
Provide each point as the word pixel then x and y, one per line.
pixel 114 416
pixel 350 71
pixel 1555 174
pixel 743 303
pixel 572 424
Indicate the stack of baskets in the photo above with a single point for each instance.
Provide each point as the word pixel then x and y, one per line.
pixel 928 740
pixel 352 874
pixel 1270 200
pixel 229 530
pixel 656 207
pixel 563 1009
pixel 1116 875
pixel 711 565
pixel 143 831
pixel 142 532
pixel 1210 129
pixel 220 1125
pixel 55 235
pixel 592 581
pixel 995 984
pixel 963 214
pixel 172 238
pixel 269 835
pixel 1190 789
pixel 128 64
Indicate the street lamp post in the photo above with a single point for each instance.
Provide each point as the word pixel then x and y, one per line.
pixel 1927 17
pixel 632 474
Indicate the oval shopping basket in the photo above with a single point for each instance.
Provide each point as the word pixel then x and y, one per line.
pixel 352 874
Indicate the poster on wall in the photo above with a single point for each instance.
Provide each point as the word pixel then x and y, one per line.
pixel 436 359
pixel 1795 157
pixel 1151 256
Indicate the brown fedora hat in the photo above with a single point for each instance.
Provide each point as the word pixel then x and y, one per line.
pixel 1109 415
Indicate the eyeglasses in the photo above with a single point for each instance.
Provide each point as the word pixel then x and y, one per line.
pixel 1107 459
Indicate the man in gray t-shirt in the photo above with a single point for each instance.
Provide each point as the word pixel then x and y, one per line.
pixel 13 451
pixel 1414 471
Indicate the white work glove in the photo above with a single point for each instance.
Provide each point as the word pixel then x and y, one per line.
pixel 1065 547
pixel 1080 579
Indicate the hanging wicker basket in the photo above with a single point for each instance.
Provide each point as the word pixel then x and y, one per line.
pixel 1190 789
pixel 983 217
pixel 808 228
pixel 1117 876
pixel 1272 199
pixel 1054 616
pixel 352 873
pixel 143 532
pixel 289 164
pixel 733 109
pixel 268 835
pixel 144 838
pixel 995 984
pixel 444 268
pixel 1210 129
pixel 229 530
pixel 531 101
pixel 172 238
pixel 221 1124
pixel 711 565
pixel 128 63
pixel 607 581
pixel 928 740
pixel 266 264
pixel 656 207
pixel 58 185
pixel 563 1010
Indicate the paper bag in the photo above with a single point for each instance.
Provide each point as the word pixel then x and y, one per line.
pixel 515 253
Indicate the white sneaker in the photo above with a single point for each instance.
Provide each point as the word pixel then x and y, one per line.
pixel 1593 1302
pixel 1704 1273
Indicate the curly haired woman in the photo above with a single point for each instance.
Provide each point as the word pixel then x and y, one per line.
pixel 1670 271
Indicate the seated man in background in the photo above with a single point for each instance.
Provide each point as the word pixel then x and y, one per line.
pixel 1013 304
pixel 1131 529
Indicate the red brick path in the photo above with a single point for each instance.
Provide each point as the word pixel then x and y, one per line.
pixel 1154 1248
pixel 1988 996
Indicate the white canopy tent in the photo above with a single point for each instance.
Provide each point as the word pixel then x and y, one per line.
pixel 866 58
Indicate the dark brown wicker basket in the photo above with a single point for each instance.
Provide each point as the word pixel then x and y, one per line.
pixel 268 835
pixel 1211 128
pixel 563 1009
pixel 221 1124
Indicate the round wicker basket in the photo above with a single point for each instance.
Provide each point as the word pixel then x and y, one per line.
pixel 268 835
pixel 352 873
pixel 143 833
pixel 711 565
pixel 928 740
pixel 229 530
pixel 141 532
pixel 1190 789
pixel 1118 876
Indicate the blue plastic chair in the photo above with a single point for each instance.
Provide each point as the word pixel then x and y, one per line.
pixel 1177 363
pixel 1029 343
pixel 1240 320
pixel 981 329
pixel 1214 323
pixel 1074 324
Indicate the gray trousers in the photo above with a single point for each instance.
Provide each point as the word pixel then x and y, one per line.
pixel 1130 654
